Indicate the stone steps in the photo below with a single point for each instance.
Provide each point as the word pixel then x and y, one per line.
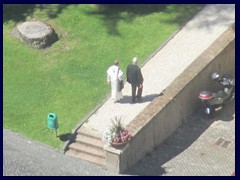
pixel 92 159
pixel 89 133
pixel 91 150
pixel 88 141
pixel 88 145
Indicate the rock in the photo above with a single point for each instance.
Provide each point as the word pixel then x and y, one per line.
pixel 36 33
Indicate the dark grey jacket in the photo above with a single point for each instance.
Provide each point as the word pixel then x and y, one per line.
pixel 134 75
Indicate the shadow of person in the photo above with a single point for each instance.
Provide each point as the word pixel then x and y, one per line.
pixel 64 137
pixel 126 100
pixel 150 97
pixel 147 98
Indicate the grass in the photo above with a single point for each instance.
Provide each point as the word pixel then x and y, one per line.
pixel 69 78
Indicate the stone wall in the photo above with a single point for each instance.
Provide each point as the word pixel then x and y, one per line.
pixel 166 113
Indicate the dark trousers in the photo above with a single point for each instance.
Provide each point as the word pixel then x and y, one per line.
pixel 139 92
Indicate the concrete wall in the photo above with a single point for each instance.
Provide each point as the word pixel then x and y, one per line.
pixel 166 113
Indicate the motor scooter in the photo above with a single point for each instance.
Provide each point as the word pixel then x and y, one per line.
pixel 214 102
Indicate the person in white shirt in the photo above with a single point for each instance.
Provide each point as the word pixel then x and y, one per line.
pixel 114 75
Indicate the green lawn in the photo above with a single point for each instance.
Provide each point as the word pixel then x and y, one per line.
pixel 69 78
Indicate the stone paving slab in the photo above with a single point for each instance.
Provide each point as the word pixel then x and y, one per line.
pixel 198 34
pixel 192 150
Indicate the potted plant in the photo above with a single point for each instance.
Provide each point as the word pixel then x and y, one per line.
pixel 116 134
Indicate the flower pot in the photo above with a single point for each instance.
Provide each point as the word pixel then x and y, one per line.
pixel 118 145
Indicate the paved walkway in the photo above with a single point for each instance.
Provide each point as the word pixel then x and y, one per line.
pixel 25 157
pixel 161 70
pixel 199 147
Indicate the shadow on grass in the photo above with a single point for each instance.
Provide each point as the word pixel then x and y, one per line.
pixel 64 137
pixel 20 12
pixel 111 14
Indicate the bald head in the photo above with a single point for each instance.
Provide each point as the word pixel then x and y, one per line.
pixel 135 60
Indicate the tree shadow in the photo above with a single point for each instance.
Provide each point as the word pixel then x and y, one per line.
pixel 20 12
pixel 111 14
pixel 208 23
pixel 64 137
pixel 207 20
pixel 153 163
pixel 183 12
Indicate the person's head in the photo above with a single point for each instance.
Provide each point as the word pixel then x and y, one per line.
pixel 135 60
pixel 116 62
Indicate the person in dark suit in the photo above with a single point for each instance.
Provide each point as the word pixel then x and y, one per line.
pixel 135 78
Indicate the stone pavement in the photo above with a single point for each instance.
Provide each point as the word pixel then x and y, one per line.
pixel 25 157
pixel 199 147
pixel 168 63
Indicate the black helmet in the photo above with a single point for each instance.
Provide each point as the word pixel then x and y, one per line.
pixel 215 76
